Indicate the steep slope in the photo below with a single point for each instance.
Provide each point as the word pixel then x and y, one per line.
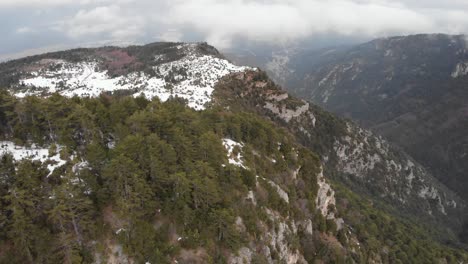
pixel 140 181
pixel 122 179
pixel 409 89
pixel 352 155
pixel 174 173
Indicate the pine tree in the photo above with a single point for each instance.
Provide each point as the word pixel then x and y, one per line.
pixel 24 203
pixel 21 228
pixel 7 173
pixel 222 223
pixel 129 190
pixel 162 160
pixel 209 148
pixel 7 114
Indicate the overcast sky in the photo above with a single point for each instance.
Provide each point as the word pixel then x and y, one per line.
pixel 33 26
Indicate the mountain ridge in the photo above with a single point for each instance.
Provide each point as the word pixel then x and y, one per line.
pixel 409 89
pixel 158 69
pixel 247 145
pixel 302 120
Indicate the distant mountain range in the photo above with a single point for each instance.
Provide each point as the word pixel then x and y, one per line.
pixel 412 90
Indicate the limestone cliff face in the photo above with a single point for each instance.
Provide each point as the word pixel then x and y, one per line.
pixel 349 153
pixel 364 158
pixel 276 241
pixel 281 229
pixel 409 89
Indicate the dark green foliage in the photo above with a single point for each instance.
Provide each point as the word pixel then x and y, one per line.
pixel 158 171
pixel 146 244
pixel 396 240
pixel 149 164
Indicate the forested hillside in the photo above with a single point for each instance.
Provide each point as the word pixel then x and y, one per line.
pixel 168 153
pixel 145 181
pixel 365 162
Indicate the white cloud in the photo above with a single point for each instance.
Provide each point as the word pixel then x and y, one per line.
pixel 104 21
pixel 17 3
pixel 38 3
pixel 171 35
pixel 223 21
pixel 25 30
pixel 44 3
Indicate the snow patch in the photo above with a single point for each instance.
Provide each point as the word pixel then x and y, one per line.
pixel 192 78
pixel 32 153
pixel 120 230
pixel 230 144
pixel 80 166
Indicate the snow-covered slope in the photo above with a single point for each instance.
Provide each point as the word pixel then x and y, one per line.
pixel 32 153
pixel 191 77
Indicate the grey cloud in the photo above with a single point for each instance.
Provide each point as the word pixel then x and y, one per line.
pixel 110 21
pixel 224 22
pixel 56 3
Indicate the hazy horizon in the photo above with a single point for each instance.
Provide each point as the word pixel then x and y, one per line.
pixel 32 26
